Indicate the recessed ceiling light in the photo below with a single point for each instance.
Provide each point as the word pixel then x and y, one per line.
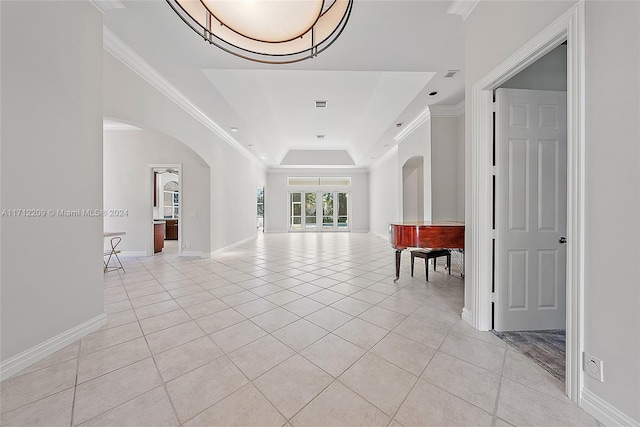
pixel 434 93
pixel 263 157
pixel 233 129
pixel 398 124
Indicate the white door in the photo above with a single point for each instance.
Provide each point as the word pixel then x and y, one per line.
pixel 530 208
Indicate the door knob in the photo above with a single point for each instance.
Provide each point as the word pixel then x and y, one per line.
pixel 562 240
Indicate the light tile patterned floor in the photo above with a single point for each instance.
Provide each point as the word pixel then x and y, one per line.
pixel 287 329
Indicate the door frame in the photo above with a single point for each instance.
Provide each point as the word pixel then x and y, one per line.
pixel 150 176
pixel 570 27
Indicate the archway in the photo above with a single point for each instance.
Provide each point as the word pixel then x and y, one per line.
pixel 413 189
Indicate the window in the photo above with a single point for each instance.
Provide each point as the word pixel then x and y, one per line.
pixel 171 200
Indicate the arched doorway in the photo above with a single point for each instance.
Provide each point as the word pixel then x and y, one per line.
pixel 413 189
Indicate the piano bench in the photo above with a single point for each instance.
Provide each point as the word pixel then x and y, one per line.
pixel 428 254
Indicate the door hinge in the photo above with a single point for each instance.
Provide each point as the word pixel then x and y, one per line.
pixel 493 234
pixel 493 170
pixel 493 297
pixel 493 106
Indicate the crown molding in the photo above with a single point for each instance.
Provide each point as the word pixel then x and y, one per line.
pixel 384 158
pixel 131 59
pixel 462 7
pixel 447 110
pixel 415 124
pixel 104 5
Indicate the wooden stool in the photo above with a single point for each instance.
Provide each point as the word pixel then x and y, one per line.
pixel 427 254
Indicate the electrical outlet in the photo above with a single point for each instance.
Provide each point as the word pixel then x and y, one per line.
pixel 593 367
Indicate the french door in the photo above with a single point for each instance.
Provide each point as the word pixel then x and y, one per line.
pixel 319 211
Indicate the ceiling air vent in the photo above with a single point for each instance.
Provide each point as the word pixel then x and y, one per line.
pixel 319 136
pixel 450 73
pixel 321 104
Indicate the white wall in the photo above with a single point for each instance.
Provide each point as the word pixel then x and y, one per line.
pixel 128 185
pixel 384 199
pixel 444 168
pixel 611 293
pixel 276 191
pixel 612 290
pixel 418 143
pixel 51 267
pixel 234 175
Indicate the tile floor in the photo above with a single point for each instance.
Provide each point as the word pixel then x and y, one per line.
pixel 287 329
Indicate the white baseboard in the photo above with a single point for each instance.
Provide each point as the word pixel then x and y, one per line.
pixel 37 353
pixel 467 316
pixel 219 251
pixel 604 412
pixel 133 254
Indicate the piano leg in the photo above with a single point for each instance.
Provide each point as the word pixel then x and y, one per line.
pixel 398 255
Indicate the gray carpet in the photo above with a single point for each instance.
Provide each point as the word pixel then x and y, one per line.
pixel 546 348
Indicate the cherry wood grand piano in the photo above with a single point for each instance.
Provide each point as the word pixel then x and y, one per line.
pixel 425 234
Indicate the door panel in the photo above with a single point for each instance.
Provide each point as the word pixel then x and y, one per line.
pixel 310 211
pixel 343 216
pixel 530 208
pixel 327 211
pixel 295 209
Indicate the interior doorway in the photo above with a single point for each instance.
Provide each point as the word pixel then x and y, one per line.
pixel 570 28
pixel 166 210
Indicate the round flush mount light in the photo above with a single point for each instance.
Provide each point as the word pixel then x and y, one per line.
pixel 434 93
pixel 234 129
pixel 399 124
pixel 268 31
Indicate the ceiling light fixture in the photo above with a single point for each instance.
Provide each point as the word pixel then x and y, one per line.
pixel 434 93
pixel 233 129
pixel 268 31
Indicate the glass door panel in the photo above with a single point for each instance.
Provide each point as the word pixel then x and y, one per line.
pixel 310 211
pixel 343 219
pixel 327 211
pixel 296 211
